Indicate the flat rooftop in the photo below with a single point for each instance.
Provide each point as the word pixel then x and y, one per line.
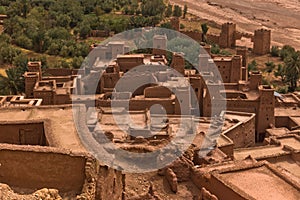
pixel 261 183
pixel 290 141
pixel 287 111
pixel 288 163
pixel 62 127
pixel 258 152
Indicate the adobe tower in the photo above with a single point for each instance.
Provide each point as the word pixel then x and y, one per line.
pixel 262 41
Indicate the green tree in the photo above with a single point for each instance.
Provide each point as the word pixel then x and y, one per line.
pixel 63 21
pixel 153 7
pixel 204 28
pixel 292 63
pixel 84 31
pixel 270 66
pixel 280 72
pixel 286 51
pixel 275 51
pixel 169 10
pixel 215 49
pixel 19 8
pixel 252 66
pixel 8 53
pixel 24 42
pixel 177 12
pixel 77 61
pixel 185 10
pixel 13 83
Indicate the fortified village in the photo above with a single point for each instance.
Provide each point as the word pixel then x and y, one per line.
pixel 256 155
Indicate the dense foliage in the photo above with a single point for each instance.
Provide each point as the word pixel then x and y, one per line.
pixel 60 28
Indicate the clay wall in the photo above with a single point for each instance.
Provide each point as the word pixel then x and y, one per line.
pixel 41 167
pixel 157 92
pixel 227 149
pixel 128 63
pixel 175 23
pixel 213 39
pixel 244 53
pixel 197 36
pixel 62 72
pixel 225 68
pixel 160 45
pixel 146 104
pixel 296 156
pixel 110 80
pixel 262 41
pixel 141 104
pixel 245 73
pixel 47 96
pixel 249 106
pixel 58 79
pixel 31 78
pixel 284 121
pixel 178 63
pixel 266 114
pixel 35 67
pixel 215 186
pixel 29 133
pixel 236 70
pixel 99 33
pixel 243 133
pixel 227 36
pixel 255 80
pixel 62 99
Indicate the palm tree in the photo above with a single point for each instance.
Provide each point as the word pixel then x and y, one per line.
pixel 204 29
pixel 281 72
pixel 13 83
pixel 292 63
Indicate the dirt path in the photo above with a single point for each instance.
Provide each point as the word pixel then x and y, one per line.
pixel 281 16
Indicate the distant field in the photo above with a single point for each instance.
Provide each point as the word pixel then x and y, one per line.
pixel 281 16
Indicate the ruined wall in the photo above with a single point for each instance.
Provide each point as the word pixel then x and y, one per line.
pixel 110 184
pixel 206 195
pixel 42 167
pixel 22 133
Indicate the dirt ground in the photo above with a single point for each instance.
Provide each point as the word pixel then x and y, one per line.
pixel 137 184
pixel 280 16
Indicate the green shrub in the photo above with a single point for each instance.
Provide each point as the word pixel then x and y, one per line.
pixel 282 89
pixel 275 51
